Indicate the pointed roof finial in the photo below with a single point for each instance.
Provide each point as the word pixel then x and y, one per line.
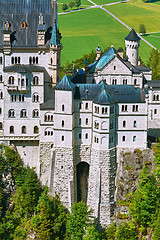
pixel 40 19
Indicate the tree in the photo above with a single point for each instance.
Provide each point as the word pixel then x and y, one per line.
pixel 78 3
pixel 77 221
pixel 71 4
pixel 142 29
pixel 126 231
pixel 64 7
pixel 154 64
pixel 92 234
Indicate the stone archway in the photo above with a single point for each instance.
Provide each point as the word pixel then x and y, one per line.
pixel 82 181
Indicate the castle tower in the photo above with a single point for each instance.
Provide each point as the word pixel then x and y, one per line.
pixel 55 55
pixel 41 31
pixel 132 42
pixel 63 177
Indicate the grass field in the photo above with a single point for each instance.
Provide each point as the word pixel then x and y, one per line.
pixel 82 32
pixel 100 2
pixel 136 13
pixel 154 39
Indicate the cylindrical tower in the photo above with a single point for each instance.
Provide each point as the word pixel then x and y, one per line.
pixel 132 42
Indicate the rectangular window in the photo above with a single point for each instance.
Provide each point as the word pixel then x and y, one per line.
pixel 79 135
pixel 86 121
pixel 135 108
pixel 124 81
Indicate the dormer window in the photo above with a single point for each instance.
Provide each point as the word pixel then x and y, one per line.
pixel 7 25
pixel 23 25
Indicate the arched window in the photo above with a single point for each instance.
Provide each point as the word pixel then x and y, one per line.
pixel 19 60
pixel 11 130
pixel 48 132
pixel 11 80
pixel 35 113
pixel 11 113
pixel 12 60
pixel 36 80
pixel 86 121
pixel 51 61
pixel 104 125
pixel 23 113
pixel 1 78
pixel 79 121
pixel 1 126
pixel 23 25
pixel 36 60
pixel 22 82
pixel 134 138
pixel 16 60
pixel 36 130
pixel 1 94
pixel 124 123
pixel 24 130
pixel 30 60
pixel 123 139
pixel 62 107
pixel 0 110
pixel 35 97
pixel 48 117
pixel 62 123
pixel 135 123
pixel 1 60
pixel 7 25
pixel 86 136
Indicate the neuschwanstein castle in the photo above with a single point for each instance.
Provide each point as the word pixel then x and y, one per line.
pixel 71 129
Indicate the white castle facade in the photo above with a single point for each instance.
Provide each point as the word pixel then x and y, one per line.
pixel 72 129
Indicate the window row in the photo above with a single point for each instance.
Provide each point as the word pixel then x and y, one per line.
pixel 48 117
pixel 104 110
pixel 33 60
pixel 124 138
pixel 125 82
pixel 20 98
pixel 134 123
pixel 86 121
pixel 156 97
pixel 86 105
pixel 24 130
pixel 23 25
pixel 134 108
pixel 22 81
pixel 15 60
pixel 80 136
pixel 23 113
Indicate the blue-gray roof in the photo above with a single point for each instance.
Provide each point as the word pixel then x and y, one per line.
pixel 106 58
pixel 17 11
pixel 132 36
pixel 106 94
pixel 21 68
pixel 65 84
pixel 55 38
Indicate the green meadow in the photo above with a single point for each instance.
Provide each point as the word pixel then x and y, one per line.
pixel 136 13
pixel 101 2
pixel 83 2
pixel 154 39
pixel 82 31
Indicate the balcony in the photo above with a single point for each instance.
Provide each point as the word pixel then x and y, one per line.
pixel 11 88
pixel 23 89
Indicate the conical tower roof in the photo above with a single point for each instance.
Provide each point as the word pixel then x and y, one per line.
pixel 132 36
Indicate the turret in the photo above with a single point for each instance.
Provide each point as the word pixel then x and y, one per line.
pixel 6 38
pixel 98 51
pixel 132 42
pixel 41 31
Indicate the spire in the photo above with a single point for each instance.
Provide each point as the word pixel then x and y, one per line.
pixel 55 38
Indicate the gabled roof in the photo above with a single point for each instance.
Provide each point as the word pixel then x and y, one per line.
pixel 65 84
pixel 103 96
pixel 106 58
pixel 132 36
